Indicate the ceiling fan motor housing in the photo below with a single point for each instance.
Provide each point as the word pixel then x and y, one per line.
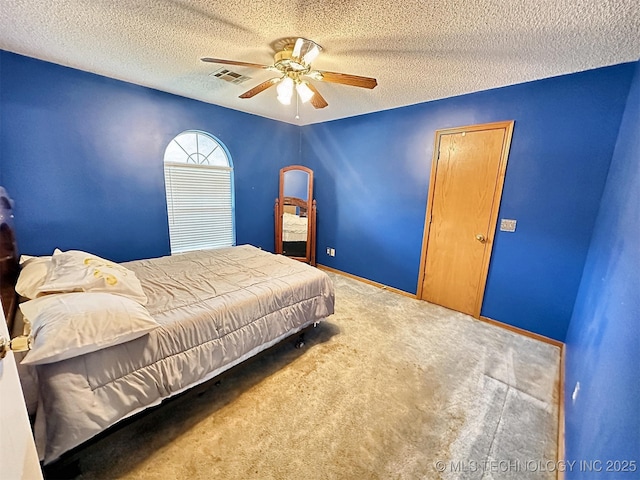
pixel 283 61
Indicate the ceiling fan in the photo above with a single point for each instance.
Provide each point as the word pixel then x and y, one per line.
pixel 292 62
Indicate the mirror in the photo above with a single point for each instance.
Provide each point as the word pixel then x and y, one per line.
pixel 295 214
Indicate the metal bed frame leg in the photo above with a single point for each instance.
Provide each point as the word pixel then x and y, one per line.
pixel 300 341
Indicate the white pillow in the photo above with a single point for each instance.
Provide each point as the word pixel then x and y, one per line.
pixel 33 273
pixel 66 325
pixel 77 271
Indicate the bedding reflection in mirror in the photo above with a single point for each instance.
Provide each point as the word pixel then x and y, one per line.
pixel 295 214
pixel 295 226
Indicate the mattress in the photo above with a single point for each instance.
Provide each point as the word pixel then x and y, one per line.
pixel 215 308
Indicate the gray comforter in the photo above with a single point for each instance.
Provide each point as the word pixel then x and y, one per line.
pixel 215 308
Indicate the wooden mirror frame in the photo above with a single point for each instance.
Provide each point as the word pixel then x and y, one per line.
pixel 309 205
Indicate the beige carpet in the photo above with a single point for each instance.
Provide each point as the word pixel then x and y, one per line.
pixel 387 388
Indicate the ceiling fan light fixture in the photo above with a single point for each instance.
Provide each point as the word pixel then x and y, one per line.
pixel 284 100
pixel 312 54
pixel 292 61
pixel 304 91
pixel 306 50
pixel 314 75
pixel 297 47
pixel 285 90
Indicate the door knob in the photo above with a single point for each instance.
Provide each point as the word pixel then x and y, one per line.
pixel 481 238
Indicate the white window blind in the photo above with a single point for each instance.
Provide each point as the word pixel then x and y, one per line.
pixel 199 201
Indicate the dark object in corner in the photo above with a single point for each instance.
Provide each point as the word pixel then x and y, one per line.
pixel 9 267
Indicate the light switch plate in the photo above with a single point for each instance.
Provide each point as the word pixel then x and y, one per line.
pixel 507 225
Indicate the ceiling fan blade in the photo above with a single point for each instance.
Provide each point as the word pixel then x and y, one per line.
pixel 233 62
pixel 346 79
pixel 261 87
pixel 317 100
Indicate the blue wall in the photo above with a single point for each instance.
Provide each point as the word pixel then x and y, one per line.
pixel 603 342
pixel 372 177
pixel 81 155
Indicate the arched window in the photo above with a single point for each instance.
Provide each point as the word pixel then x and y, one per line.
pixel 198 178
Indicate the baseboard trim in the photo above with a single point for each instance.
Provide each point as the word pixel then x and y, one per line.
pixel 522 331
pixel 561 385
pixel 506 326
pixel 365 280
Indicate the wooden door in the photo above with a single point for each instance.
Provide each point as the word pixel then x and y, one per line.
pixel 467 175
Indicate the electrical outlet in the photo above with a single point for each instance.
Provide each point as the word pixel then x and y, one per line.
pixel 332 252
pixel 329 251
pixel 508 225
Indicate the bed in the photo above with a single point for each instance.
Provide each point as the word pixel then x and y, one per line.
pixel 200 314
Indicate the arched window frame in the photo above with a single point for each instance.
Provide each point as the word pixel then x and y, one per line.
pixel 190 180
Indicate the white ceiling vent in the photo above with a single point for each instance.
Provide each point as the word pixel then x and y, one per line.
pixel 230 76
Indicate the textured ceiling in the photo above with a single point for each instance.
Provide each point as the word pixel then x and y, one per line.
pixel 417 50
